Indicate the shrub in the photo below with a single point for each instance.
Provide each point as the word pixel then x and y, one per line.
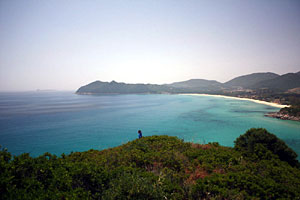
pixel 156 167
pixel 249 142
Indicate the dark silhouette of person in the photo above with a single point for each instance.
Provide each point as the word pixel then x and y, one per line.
pixel 140 134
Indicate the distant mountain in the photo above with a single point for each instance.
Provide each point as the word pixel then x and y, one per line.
pixel 247 81
pixel 113 87
pixel 252 81
pixel 283 83
pixel 198 85
pixel 194 85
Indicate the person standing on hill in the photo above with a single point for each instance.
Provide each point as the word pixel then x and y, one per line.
pixel 140 134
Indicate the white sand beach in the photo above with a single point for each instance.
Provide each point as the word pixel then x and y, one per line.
pixel 245 99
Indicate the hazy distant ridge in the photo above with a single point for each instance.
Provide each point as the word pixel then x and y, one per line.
pixel 251 81
pixel 113 87
pixel 198 84
pixel 283 83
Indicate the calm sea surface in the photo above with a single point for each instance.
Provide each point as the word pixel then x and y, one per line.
pixel 61 122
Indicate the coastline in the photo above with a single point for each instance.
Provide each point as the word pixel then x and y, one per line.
pixel 282 116
pixel 239 98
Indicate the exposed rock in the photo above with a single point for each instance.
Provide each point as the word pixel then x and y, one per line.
pixel 283 116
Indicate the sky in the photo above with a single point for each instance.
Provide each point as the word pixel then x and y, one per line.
pixel 63 45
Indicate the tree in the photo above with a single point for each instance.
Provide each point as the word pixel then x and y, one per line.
pixel 249 141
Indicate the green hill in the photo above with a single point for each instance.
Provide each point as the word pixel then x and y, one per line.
pixel 113 87
pixel 190 86
pixel 198 85
pixel 249 80
pixel 260 166
pixel 282 83
pixel 254 81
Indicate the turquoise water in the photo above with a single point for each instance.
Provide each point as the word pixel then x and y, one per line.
pixel 61 122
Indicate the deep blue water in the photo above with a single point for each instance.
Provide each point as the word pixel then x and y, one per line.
pixel 61 122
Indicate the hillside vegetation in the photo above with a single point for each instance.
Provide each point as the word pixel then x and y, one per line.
pixel 253 82
pixel 247 81
pixel 281 83
pixel 113 87
pixel 260 166
pixel 197 85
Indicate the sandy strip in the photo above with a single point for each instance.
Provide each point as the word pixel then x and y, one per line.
pixel 245 99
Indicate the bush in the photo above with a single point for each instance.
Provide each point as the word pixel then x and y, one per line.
pixel 249 142
pixel 156 167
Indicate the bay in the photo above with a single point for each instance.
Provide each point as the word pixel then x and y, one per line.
pixel 62 122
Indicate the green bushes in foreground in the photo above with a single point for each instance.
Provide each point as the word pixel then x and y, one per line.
pixel 258 140
pixel 260 166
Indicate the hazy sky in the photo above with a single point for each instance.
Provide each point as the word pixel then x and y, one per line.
pixel 65 44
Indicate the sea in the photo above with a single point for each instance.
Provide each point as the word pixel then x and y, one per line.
pixel 64 122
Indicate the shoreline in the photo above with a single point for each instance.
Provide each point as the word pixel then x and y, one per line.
pixel 240 98
pixel 282 116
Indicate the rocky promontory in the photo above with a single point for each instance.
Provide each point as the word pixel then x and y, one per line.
pixel 284 116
